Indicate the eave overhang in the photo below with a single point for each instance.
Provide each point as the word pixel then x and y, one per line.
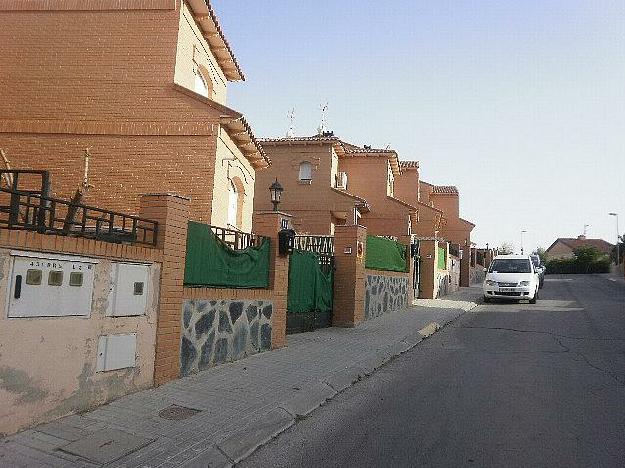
pixel 206 19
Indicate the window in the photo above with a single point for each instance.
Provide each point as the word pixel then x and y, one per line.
pixel 510 266
pixel 201 85
pixel 75 278
pixel 55 278
pixel 33 277
pixel 305 171
pixel 233 203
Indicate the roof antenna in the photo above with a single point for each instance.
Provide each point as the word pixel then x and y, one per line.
pixel 388 146
pixel 291 131
pixel 322 126
pixel 586 226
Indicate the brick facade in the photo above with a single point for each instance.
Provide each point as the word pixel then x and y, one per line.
pixel 98 79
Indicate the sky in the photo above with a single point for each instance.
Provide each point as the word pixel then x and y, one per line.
pixel 521 105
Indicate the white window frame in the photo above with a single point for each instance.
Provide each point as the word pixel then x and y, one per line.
pixel 305 169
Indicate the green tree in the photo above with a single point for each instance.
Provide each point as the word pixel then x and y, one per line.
pixel 541 254
pixel 621 252
pixel 586 256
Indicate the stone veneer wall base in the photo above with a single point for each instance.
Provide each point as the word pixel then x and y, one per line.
pixel 215 332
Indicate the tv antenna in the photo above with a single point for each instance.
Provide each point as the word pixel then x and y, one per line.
pixel 322 126
pixel 291 131
pixel 586 226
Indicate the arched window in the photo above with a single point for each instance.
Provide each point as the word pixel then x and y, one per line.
pixel 305 171
pixel 233 204
pixel 201 85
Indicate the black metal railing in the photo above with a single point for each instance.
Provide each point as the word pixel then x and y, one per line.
pixel 317 244
pixel 237 240
pixel 47 215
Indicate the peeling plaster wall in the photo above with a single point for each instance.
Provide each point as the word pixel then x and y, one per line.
pixel 47 364
pixel 385 294
pixel 214 332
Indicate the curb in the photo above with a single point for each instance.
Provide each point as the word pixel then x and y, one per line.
pixel 241 444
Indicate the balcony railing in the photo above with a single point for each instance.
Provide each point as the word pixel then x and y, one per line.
pixel 47 215
pixel 237 240
pixel 319 244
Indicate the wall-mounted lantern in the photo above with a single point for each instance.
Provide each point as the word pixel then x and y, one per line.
pixel 276 193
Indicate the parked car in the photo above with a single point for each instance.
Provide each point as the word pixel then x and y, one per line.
pixel 540 269
pixel 511 277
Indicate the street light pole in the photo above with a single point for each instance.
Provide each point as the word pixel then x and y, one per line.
pixel 522 232
pixel 618 256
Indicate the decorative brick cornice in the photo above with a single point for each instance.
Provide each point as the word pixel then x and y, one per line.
pixel 75 127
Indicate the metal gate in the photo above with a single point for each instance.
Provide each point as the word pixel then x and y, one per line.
pixel 416 261
pixel 311 284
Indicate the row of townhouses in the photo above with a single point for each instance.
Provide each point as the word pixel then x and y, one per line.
pixel 139 239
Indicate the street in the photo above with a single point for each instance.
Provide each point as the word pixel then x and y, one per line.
pixel 505 385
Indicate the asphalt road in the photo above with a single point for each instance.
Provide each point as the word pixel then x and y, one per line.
pixel 506 385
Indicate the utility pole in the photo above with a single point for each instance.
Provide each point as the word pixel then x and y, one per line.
pixel 618 256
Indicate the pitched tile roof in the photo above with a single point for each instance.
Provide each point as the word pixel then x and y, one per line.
pixel 575 243
pixel 207 19
pixel 409 164
pixel 447 189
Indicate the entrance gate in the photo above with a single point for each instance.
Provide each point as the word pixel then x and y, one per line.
pixel 311 284
pixel 416 258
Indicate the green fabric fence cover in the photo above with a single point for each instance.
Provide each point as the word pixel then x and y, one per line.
pixel 212 263
pixel 442 259
pixel 309 287
pixel 385 254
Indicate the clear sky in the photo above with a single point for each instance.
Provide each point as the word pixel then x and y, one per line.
pixel 520 104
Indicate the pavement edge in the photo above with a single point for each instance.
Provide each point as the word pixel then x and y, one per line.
pixel 244 442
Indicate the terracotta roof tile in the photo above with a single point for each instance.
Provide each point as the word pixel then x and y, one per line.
pixel 575 243
pixel 445 189
pixel 409 164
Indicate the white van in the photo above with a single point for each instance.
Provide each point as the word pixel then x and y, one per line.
pixel 511 277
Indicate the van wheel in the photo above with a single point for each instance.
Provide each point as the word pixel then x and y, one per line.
pixel 535 298
pixel 486 299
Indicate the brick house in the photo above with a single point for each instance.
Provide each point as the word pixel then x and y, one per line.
pixel 564 247
pixel 329 183
pixel 144 87
pixel 314 189
pixel 372 174
pixel 430 219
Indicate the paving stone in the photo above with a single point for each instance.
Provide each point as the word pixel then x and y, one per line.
pixel 308 399
pixel 341 379
pixel 211 457
pixel 244 442
pixel 106 445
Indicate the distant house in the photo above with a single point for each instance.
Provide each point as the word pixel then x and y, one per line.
pixel 564 247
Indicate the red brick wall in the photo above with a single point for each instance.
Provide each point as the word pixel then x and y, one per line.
pixel 121 167
pixel 104 79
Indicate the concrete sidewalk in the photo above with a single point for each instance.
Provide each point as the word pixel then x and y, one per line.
pixel 221 415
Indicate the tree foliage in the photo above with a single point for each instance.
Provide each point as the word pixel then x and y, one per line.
pixel 541 254
pixel 587 259
pixel 621 252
